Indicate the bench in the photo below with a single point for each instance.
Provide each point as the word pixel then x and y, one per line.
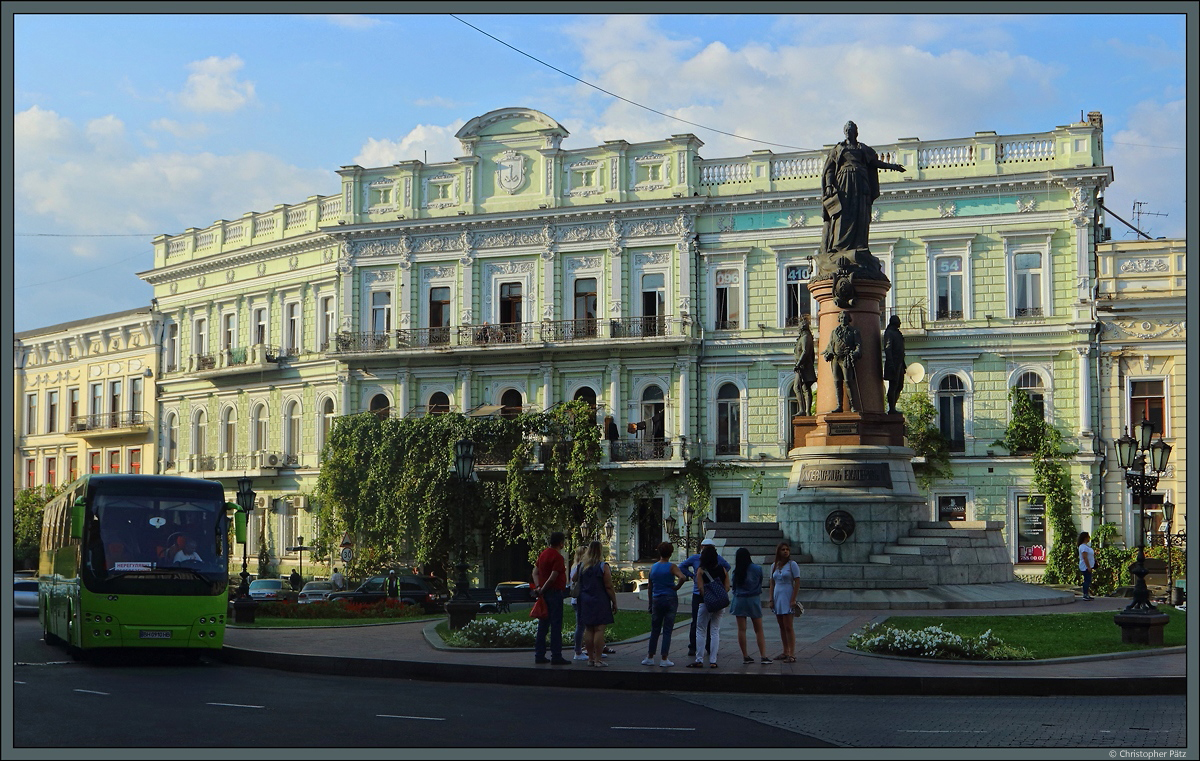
pixel 486 599
pixel 509 595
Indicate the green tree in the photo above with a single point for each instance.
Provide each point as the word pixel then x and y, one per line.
pixel 925 438
pixel 1029 433
pixel 28 506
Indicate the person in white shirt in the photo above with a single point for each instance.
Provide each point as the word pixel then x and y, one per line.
pixel 188 554
pixel 1087 561
pixel 339 581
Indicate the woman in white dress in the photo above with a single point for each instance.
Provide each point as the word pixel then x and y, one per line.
pixel 785 586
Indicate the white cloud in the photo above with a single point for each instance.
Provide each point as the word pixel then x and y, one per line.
pixel 351 20
pixel 213 85
pixel 438 141
pixel 1149 159
pixel 195 129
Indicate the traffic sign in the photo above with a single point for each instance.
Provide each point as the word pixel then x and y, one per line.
pixel 347 554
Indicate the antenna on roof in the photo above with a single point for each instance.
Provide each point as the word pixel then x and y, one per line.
pixel 1138 214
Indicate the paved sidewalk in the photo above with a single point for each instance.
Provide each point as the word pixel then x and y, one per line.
pixel 823 665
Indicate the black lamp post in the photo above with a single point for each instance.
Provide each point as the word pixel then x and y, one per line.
pixel 686 536
pixel 1141 621
pixel 245 500
pixel 461 609
pixel 1170 540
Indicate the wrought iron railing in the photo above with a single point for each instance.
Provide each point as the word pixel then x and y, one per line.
pixel 949 314
pixel 205 462
pixel 421 337
pixel 726 325
pixel 629 451
pixel 347 342
pixel 1029 312
pixel 570 330
pixel 206 361
pixel 639 327
pixel 108 420
pixel 238 355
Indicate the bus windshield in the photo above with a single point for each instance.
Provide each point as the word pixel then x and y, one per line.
pixel 166 536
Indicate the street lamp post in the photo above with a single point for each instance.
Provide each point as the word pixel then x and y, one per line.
pixel 1170 540
pixel 461 609
pixel 1141 621
pixel 245 500
pixel 686 535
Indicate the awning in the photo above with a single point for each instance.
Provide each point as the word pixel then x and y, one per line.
pixel 485 410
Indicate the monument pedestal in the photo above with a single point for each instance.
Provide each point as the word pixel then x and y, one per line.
pixel 836 429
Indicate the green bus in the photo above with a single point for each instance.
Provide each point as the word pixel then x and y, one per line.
pixel 135 561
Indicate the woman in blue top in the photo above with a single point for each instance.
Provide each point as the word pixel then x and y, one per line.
pixel 665 581
pixel 747 603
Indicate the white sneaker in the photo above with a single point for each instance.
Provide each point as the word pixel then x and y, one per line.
pixel 647 661
pixel 580 657
pixel 666 664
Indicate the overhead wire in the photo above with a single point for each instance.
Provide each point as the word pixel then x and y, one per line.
pixel 622 98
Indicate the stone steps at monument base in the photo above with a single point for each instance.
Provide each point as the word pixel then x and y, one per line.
pixel 896 559
pixel 924 550
pixel 863 584
pixel 960 525
pixel 938 532
pixel 759 538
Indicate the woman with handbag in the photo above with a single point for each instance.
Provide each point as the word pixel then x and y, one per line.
pixel 785 586
pixel 713 583
pixel 574 588
pixel 597 602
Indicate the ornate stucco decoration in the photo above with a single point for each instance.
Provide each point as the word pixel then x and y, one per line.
pixel 725 223
pixel 439 182
pixel 375 248
pixel 379 276
pixel 344 265
pixel 1144 265
pixel 262 268
pixel 655 257
pixel 574 233
pixel 293 262
pixel 509 238
pixel 200 281
pixel 437 243
pixel 875 214
pixel 1146 330
pixel 382 207
pixel 796 219
pixel 434 273
pixel 510 171
pixel 946 210
pixel 229 276
pixel 685 224
pixel 651 159
pixel 509 268
pixel 583 263
pixel 643 228
pixel 1026 204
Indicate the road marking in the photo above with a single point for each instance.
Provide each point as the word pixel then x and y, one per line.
pixel 15 681
pixel 661 729
pixel 417 718
pixel 46 663
pixel 946 731
pixel 92 692
pixel 234 705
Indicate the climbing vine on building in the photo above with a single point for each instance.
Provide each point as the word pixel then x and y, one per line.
pixel 925 438
pixel 1029 433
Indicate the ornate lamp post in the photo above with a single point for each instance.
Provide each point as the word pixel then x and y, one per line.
pixel 1141 621
pixel 1170 540
pixel 674 534
pixel 245 500
pixel 461 609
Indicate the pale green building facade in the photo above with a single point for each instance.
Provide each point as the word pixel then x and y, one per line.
pixel 664 286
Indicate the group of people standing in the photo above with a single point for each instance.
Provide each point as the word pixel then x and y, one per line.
pixel 595 602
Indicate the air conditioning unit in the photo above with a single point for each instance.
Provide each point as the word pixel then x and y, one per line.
pixel 260 502
pixel 299 502
pixel 271 459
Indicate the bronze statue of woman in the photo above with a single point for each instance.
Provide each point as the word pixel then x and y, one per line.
pixel 849 186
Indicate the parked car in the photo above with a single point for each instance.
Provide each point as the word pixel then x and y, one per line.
pixel 430 592
pixel 271 590
pixel 315 591
pixel 25 596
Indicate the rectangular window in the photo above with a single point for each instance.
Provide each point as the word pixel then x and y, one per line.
pixel 729 509
pixel 260 325
pixel 200 337
pixel 328 322
pixel 94 462
pixel 585 306
pixel 30 473
pixel 114 461
pixel 381 311
pixel 72 467
pixel 1147 402
pixel 135 461
pixel 72 404
pixel 228 331
pixel 1028 284
pixel 52 471
pixel 510 310
pixel 292 328
pixel 114 397
pixel 135 395
pixel 798 300
pixel 654 304
pixel 952 507
pixel 439 314
pixel 729 303
pixel 1031 528
pixel 949 288
pixel 51 411
pixel 171 348
pixel 97 406
pixel 30 414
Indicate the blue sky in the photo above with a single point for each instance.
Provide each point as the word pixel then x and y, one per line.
pixel 137 125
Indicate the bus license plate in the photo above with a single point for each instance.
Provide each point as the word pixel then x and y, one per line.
pixel 154 634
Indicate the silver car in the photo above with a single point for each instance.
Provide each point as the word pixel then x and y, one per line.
pixel 25 596
pixel 315 591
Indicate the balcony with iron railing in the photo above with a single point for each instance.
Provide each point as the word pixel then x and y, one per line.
pixel 236 360
pixel 125 423
pixel 516 334
pixel 230 464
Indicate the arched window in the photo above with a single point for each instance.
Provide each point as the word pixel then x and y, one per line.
pixel 291 419
pixel 512 402
pixel 228 431
pixel 380 406
pixel 326 424
pixel 729 429
pixel 1031 384
pixel 588 395
pixel 653 414
pixel 258 427
pixel 172 439
pixel 951 394
pixel 199 433
pixel 439 403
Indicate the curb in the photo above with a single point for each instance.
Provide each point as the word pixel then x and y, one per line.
pixel 841 647
pixel 784 684
pixel 331 626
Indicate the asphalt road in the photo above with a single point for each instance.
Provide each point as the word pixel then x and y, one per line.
pixel 132 703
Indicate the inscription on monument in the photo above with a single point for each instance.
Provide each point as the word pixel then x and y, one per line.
pixel 862 475
pixel 843 429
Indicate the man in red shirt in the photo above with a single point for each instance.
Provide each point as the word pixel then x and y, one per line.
pixel 550 581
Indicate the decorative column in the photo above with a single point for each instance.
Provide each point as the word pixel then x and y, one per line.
pixel 615 249
pixel 681 372
pixel 549 255
pixel 686 224
pixel 467 260
pixel 404 293
pixel 547 384
pixel 614 391
pixel 464 386
pixel 1085 392
pixel 402 392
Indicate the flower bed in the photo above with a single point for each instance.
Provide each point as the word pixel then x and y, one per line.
pixel 934 642
pixel 317 610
